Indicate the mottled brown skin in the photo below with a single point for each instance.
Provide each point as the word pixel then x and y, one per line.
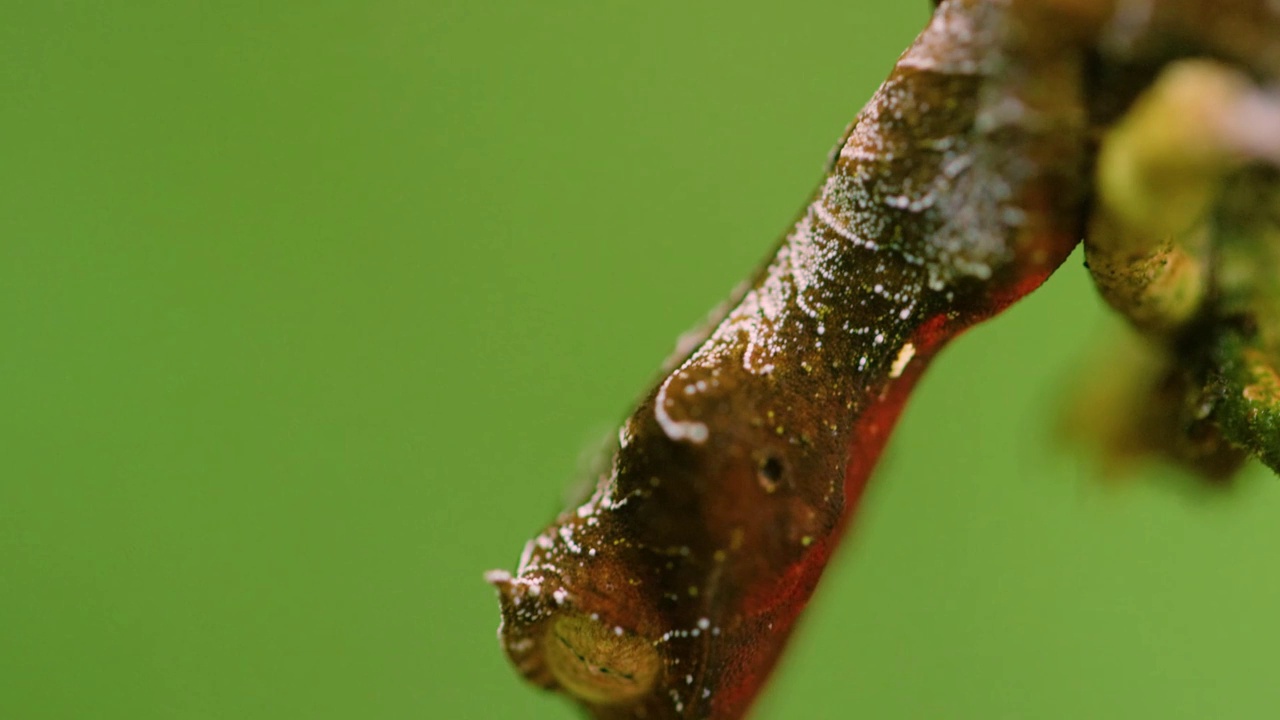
pixel 727 497
pixel 671 592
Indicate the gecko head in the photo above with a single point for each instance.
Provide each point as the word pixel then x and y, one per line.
pixel 556 644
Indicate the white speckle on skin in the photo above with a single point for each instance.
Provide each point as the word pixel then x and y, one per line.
pixel 525 557
pixel 566 534
pixel 694 432
pixel 841 228
pixel 907 352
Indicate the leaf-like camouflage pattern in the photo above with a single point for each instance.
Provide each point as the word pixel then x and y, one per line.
pixel 963 184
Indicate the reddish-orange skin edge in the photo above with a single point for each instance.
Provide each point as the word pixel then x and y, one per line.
pixel 872 431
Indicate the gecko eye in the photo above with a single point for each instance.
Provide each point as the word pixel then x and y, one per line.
pixel 597 663
pixel 770 473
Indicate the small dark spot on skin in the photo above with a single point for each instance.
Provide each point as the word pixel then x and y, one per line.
pixel 772 468
pixel 770 473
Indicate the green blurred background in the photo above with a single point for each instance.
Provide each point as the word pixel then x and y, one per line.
pixel 310 310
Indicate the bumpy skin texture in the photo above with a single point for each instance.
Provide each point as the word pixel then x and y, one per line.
pixel 672 590
pixel 963 184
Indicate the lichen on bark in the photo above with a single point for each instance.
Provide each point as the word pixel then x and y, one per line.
pixel 1184 242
